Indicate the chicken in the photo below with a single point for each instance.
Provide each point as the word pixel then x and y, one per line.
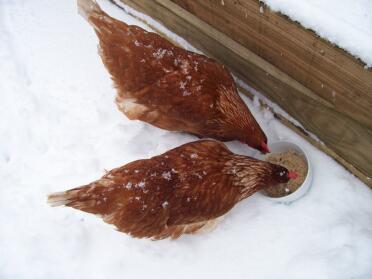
pixel 169 87
pixel 181 191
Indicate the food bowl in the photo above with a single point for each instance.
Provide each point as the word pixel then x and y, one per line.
pixel 280 147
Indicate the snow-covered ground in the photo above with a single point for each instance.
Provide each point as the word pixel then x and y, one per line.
pixel 346 23
pixel 59 128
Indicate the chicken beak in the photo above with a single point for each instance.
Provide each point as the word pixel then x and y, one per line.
pixel 292 175
pixel 264 148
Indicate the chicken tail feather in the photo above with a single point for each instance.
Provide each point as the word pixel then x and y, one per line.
pixel 87 7
pixel 62 198
pixel 77 198
pixel 89 198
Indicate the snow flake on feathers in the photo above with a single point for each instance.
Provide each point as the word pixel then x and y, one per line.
pixel 128 185
pixel 159 54
pixel 167 175
pixel 183 84
pixel 185 66
pixel 198 175
pixel 196 64
pixel 176 61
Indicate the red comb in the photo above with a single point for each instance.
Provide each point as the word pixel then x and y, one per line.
pixel 292 175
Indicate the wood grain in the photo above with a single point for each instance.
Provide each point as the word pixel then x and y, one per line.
pixel 346 139
pixel 328 71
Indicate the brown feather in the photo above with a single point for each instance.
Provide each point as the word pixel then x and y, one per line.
pixel 170 87
pixel 180 191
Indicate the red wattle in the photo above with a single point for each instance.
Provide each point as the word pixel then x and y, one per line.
pixel 264 148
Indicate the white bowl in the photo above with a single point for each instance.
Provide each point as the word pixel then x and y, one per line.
pixel 283 146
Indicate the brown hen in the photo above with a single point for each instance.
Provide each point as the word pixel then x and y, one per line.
pixel 181 191
pixel 169 87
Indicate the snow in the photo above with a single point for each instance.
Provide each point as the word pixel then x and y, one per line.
pixel 167 175
pixel 159 53
pixel 142 184
pixel 258 96
pixel 182 84
pixel 60 128
pixel 345 23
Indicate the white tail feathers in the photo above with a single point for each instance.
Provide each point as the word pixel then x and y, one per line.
pixel 61 198
pixel 87 7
